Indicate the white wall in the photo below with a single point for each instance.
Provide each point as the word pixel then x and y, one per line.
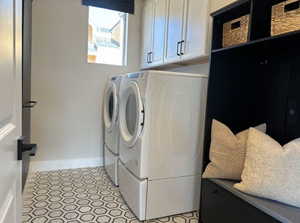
pixel 66 123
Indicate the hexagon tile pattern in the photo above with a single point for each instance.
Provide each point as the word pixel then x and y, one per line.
pixel 83 195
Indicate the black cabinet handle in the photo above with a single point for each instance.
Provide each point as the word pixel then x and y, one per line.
pixel 151 57
pixel 178 46
pixel 181 47
pixel 22 148
pixel 30 104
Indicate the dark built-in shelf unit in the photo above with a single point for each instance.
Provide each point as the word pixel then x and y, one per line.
pixel 249 84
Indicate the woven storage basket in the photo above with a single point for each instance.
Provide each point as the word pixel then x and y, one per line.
pixel 285 17
pixel 236 31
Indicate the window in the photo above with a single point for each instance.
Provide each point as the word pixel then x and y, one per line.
pixel 107 36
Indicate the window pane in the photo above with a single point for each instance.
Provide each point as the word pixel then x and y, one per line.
pixel 106 35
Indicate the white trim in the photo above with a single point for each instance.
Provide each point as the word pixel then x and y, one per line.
pixel 125 39
pixel 64 164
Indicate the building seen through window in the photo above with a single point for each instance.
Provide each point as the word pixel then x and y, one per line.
pixel 107 36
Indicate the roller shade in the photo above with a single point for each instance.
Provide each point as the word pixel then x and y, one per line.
pixel 126 6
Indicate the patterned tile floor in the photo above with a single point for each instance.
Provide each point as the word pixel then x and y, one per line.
pixel 80 195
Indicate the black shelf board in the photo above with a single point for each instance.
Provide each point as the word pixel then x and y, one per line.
pixel 232 47
pixel 230 7
pixel 292 36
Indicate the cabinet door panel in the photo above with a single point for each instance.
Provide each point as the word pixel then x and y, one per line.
pixel 196 27
pixel 159 30
pixel 148 19
pixel 175 28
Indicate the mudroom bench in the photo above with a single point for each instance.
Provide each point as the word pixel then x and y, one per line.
pixel 252 82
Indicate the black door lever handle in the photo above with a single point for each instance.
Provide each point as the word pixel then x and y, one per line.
pixel 30 147
pixel 30 104
pixel 22 148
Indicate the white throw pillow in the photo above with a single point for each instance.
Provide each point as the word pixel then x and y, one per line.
pixel 227 152
pixel 271 171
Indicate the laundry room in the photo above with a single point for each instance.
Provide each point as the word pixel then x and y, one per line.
pixel 169 111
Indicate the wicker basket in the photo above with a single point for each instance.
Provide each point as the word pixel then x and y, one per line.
pixel 285 17
pixel 236 31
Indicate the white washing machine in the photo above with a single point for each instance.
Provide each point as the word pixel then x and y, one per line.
pixel 161 122
pixel 111 128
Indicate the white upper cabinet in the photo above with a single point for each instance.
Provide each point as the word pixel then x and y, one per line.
pixel 175 25
pixel 148 21
pixel 175 31
pixel 159 28
pixel 195 41
pixel 154 33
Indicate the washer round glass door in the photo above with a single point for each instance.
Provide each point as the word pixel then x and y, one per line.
pixel 131 114
pixel 110 106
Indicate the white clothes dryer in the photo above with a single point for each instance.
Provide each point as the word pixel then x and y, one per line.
pixel 161 121
pixel 111 128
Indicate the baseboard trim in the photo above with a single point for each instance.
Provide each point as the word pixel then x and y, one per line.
pixel 36 166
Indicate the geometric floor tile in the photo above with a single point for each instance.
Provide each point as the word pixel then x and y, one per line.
pixel 83 195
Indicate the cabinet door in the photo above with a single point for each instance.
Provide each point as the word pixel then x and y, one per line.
pixel 176 11
pixel 216 199
pixel 196 43
pixel 159 31
pixel 147 32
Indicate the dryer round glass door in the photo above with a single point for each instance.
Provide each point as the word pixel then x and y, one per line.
pixel 110 106
pixel 131 114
